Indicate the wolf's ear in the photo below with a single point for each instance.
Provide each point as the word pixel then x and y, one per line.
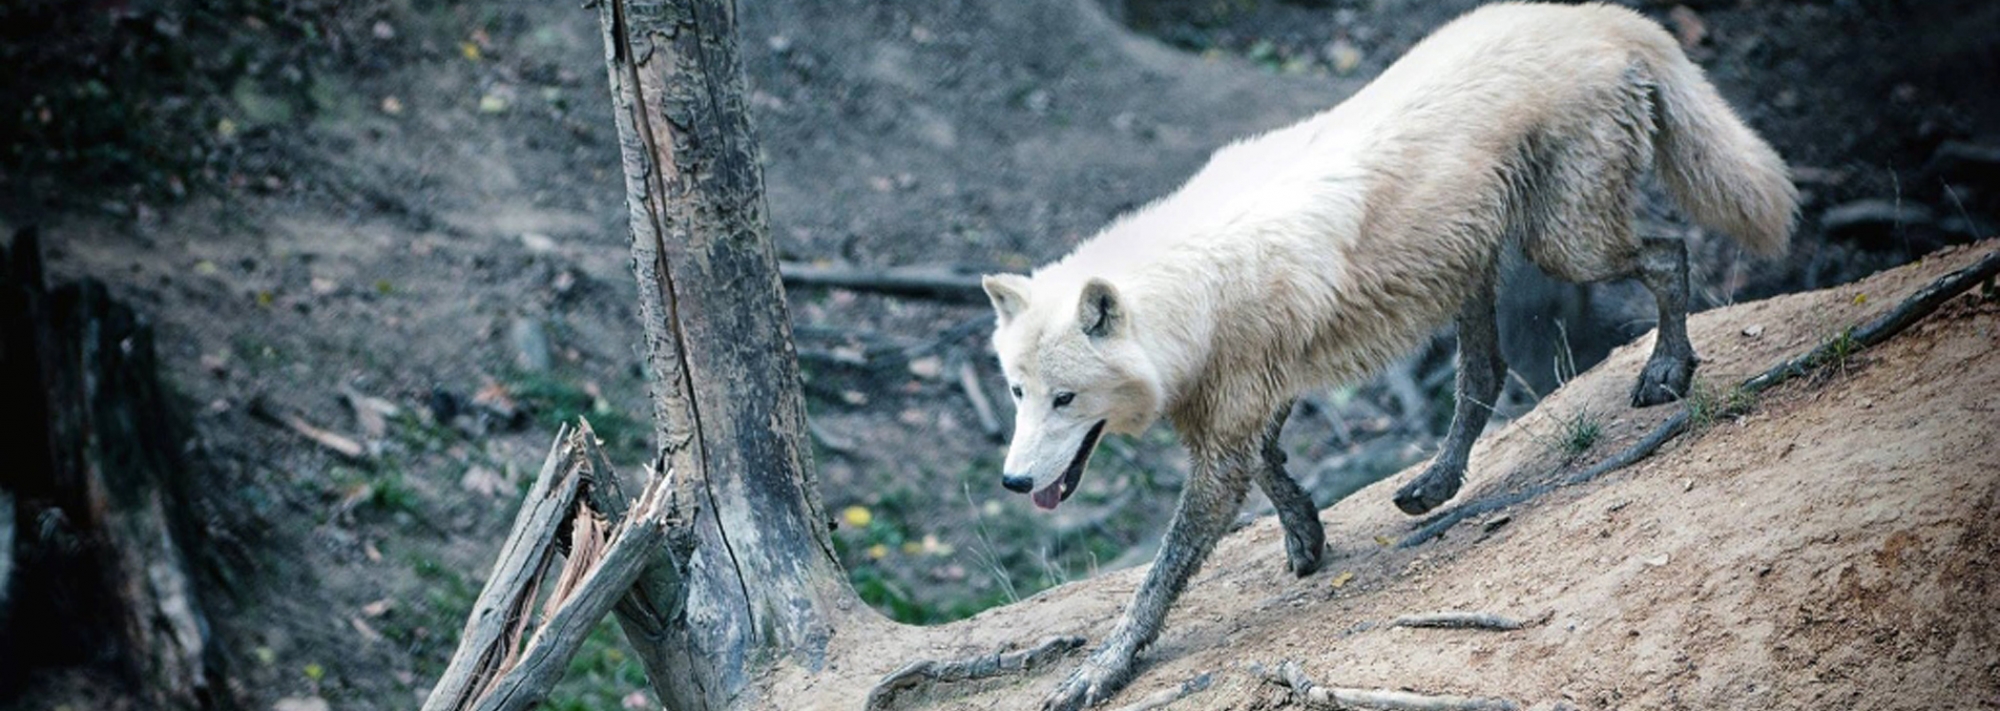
pixel 1009 293
pixel 1100 312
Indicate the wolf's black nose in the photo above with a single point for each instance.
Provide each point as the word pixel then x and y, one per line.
pixel 1017 484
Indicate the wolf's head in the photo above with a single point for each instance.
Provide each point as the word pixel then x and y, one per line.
pixel 1076 372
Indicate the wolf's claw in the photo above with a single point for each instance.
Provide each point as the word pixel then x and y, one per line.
pixel 1090 685
pixel 1664 379
pixel 1303 550
pixel 1435 486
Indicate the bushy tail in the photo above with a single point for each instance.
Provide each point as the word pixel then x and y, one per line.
pixel 1722 174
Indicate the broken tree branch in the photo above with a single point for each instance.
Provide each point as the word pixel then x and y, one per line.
pixel 503 604
pixel 1166 697
pixel 608 546
pixel 1912 309
pixel 548 652
pixel 942 282
pixel 928 673
pixel 1290 674
pixel 1458 620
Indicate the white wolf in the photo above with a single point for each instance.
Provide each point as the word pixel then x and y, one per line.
pixel 1319 252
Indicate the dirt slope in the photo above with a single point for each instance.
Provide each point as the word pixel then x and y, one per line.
pixel 1833 548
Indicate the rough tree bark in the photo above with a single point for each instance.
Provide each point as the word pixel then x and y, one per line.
pixel 764 586
pixel 100 556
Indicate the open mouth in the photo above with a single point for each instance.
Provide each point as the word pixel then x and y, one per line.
pixel 1059 491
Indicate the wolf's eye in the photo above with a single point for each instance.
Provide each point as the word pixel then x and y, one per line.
pixel 1016 389
pixel 1064 399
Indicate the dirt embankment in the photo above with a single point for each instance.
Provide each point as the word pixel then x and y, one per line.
pixel 1833 547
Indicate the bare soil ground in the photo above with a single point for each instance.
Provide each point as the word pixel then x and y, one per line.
pixel 1833 548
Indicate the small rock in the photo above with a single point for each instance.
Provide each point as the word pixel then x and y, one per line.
pixel 1755 330
pixel 301 703
pixel 531 345
pixel 217 363
pixel 537 242
pixel 1498 521
pixel 1687 485
pixel 384 31
pixel 927 367
pixel 1656 561
pixel 1343 56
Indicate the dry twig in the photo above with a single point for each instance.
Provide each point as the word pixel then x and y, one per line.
pixel 1458 620
pixel 1290 674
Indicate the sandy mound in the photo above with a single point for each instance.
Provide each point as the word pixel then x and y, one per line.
pixel 1833 547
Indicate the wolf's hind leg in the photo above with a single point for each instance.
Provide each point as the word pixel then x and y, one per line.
pixel 1663 267
pixel 1305 536
pixel 1480 372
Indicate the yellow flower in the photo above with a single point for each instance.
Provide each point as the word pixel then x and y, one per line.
pixel 858 516
pixel 878 551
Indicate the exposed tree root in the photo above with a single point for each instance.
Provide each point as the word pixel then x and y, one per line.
pixel 1160 699
pixel 930 672
pixel 1884 327
pixel 1311 695
pixel 1459 620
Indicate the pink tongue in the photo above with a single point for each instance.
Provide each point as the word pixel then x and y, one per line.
pixel 1049 496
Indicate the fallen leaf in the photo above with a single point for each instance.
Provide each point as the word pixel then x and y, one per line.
pixel 1341 580
pixel 378 608
pixel 469 50
pixel 1384 541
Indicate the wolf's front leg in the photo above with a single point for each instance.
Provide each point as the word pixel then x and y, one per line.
pixel 1213 494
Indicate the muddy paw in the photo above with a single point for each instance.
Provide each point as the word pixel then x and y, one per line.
pixel 1304 549
pixel 1092 683
pixel 1664 379
pixel 1434 487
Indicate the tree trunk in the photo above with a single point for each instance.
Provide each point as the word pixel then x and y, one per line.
pixel 95 489
pixel 764 584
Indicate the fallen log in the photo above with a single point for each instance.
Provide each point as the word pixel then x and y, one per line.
pixel 941 282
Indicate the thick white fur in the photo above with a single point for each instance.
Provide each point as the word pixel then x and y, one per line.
pixel 1318 252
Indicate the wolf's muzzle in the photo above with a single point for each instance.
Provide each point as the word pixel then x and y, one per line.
pixel 1017 484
